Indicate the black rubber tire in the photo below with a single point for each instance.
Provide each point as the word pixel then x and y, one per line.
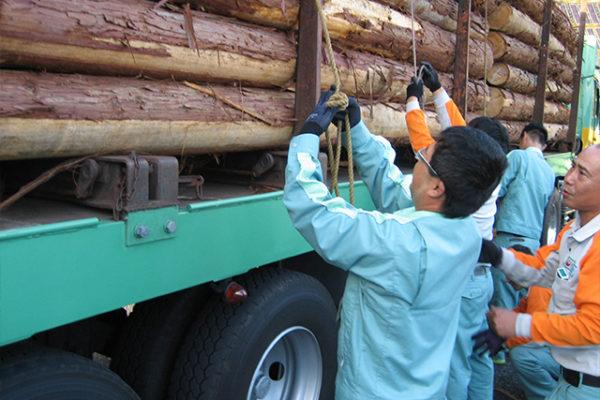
pixel 29 372
pixel 145 352
pixel 553 218
pixel 224 345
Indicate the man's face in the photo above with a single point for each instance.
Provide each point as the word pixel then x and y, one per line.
pixel 582 182
pixel 422 177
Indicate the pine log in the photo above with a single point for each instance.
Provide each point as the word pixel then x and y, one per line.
pixel 52 115
pixel 517 80
pixel 252 55
pixel 364 25
pixel 515 23
pixel 512 51
pixel 512 106
pixel 442 13
pixel 561 25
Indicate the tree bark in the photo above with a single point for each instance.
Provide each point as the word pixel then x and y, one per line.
pixel 363 25
pixel 52 115
pixel 442 13
pixel 517 24
pixel 556 132
pixel 157 46
pixel 517 80
pixel 512 51
pixel 561 26
pixel 512 106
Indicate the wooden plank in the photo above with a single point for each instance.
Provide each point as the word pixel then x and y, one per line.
pixel 308 67
pixel 572 133
pixel 461 58
pixel 540 93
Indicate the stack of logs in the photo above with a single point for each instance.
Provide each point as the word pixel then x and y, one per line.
pixel 515 35
pixel 209 76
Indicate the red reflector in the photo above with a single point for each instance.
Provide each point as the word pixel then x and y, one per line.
pixel 235 293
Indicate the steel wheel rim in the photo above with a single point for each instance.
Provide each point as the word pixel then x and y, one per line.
pixel 291 368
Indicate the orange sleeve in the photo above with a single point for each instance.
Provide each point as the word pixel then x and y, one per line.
pixel 583 327
pixel 456 118
pixel 536 300
pixel 418 132
pixel 447 112
pixel 538 260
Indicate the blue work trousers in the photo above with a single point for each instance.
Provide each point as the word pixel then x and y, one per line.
pixel 565 391
pixel 505 295
pixel 472 375
pixel 537 370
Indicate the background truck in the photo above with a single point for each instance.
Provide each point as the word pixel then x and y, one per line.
pixel 144 248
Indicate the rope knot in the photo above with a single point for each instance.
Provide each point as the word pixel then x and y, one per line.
pixel 338 100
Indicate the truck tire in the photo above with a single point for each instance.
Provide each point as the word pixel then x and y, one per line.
pixel 278 344
pixel 553 219
pixel 34 372
pixel 148 344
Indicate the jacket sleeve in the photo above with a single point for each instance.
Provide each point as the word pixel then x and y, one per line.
pixel 418 132
pixel 447 112
pixel 514 164
pixel 583 327
pixel 374 158
pixel 364 243
pixel 536 270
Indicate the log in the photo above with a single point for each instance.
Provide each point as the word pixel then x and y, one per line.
pixel 515 79
pixel 517 24
pixel 512 106
pixel 363 25
pixel 252 55
pixel 442 13
pixel 561 25
pixel 512 51
pixel 46 115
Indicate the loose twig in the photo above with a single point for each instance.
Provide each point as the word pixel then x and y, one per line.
pixel 225 100
pixel 40 180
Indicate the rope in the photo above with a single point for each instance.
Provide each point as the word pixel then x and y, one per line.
pixel 337 100
pixel 467 77
pixel 414 39
pixel 485 53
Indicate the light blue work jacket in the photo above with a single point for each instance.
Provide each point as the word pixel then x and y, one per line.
pixel 407 271
pixel 527 185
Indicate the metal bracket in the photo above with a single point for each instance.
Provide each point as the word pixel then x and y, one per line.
pixel 151 226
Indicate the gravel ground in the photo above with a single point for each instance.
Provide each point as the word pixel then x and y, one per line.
pixel 506 384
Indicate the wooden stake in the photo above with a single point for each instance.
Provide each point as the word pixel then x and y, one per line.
pixel 540 93
pixel 572 134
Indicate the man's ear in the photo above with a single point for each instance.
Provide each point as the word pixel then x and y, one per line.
pixel 437 189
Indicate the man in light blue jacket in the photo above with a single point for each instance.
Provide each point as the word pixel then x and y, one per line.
pixel 407 265
pixel 526 188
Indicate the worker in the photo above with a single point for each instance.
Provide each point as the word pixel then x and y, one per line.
pixel 471 373
pixel 571 267
pixel 406 265
pixel 526 188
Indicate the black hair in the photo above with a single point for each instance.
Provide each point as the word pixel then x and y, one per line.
pixel 471 165
pixel 537 132
pixel 494 129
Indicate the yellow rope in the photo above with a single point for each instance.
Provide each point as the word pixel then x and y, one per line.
pixel 339 100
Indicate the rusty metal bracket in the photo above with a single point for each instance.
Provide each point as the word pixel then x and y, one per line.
pixel 308 71
pixel 461 56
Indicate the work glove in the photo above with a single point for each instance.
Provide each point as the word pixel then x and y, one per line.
pixel 490 253
pixel 353 111
pixel 486 341
pixel 415 88
pixel 430 76
pixel 321 116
